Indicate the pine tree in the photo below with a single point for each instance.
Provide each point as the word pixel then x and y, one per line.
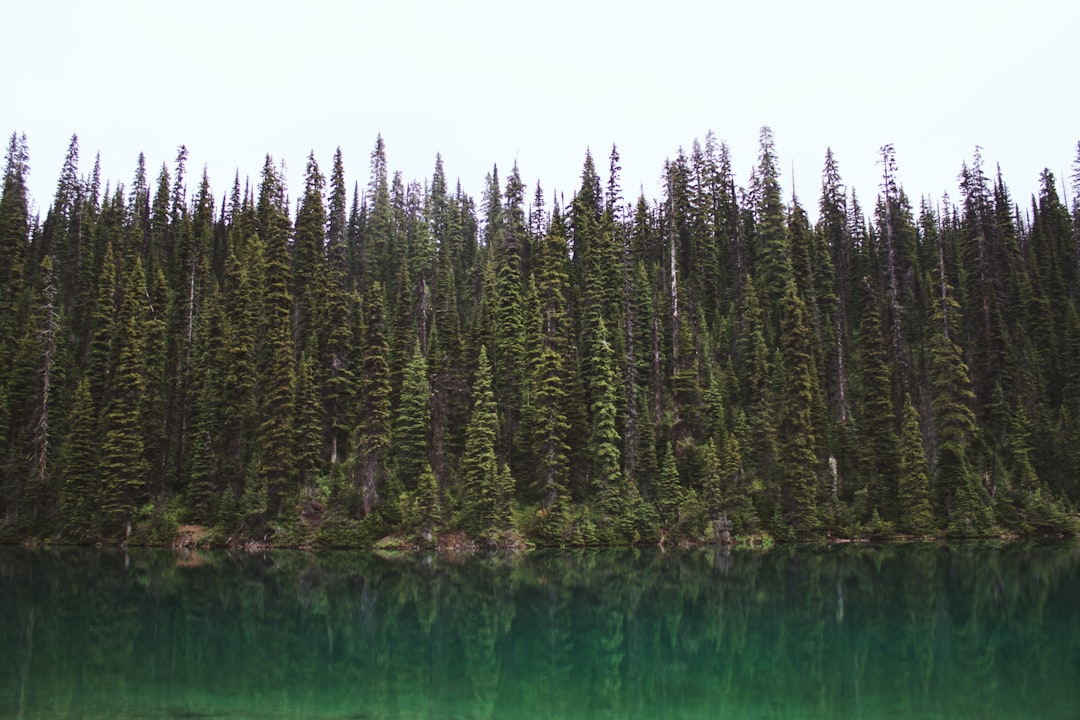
pixel 607 479
pixel 798 463
pixel 508 316
pixel 876 422
pixel 916 517
pixel 79 469
pixel 412 423
pixel 428 505
pixel 960 498
pixel 548 423
pixel 449 411
pixel 380 254
pixel 277 376
pixel 240 421
pixel 307 420
pixel 669 491
pixel 155 372
pixel 207 447
pixel 374 419
pixel 339 383
pixel 773 253
pixel 123 462
pixel 484 497
pixel 14 239
pixel 833 228
pixel 309 280
pixel 99 367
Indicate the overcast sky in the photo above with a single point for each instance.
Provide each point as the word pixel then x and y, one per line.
pixel 488 82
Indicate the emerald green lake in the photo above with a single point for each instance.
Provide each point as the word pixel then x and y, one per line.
pixel 887 631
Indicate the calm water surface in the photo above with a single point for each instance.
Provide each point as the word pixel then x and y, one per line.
pixel 921 631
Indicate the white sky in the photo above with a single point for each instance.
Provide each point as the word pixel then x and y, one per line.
pixel 489 81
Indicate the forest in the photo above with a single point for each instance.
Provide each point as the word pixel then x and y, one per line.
pixel 397 362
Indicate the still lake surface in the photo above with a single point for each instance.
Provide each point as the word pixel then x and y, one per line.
pixel 970 630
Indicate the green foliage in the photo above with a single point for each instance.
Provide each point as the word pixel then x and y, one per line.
pixel 701 368
pixel 799 464
pixel 78 498
pixel 487 487
pixel 411 427
pixel 916 516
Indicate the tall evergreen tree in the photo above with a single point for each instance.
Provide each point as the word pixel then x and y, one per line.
pixel 799 465
pixel 123 463
pixel 484 484
pixel 277 374
pixel 374 419
pixel 914 484
pixel 79 468
pixel 412 422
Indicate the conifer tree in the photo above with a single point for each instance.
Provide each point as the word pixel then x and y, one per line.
pixel 244 289
pixel 669 490
pixel 960 498
pixel 35 384
pixel 374 417
pixel 307 419
pixel 277 372
pixel 339 383
pixel 14 243
pixel 914 485
pixel 380 252
pixel 309 261
pixel 508 316
pixel 607 479
pixel 79 469
pixel 123 463
pixel 832 226
pixel 876 422
pixel 484 483
pixel 798 463
pixel 412 422
pixel 156 375
pixel 208 414
pixel 449 411
pixel 100 351
pixel 428 504
pixel 548 423
pixel 709 357
pixel 773 253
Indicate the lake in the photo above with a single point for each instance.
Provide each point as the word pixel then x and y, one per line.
pixel 964 630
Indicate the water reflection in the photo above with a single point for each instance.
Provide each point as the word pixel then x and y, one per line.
pixel 899 631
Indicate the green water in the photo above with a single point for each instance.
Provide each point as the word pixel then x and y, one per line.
pixel 897 631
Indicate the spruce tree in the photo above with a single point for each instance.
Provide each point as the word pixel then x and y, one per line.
pixel 772 253
pixel 548 423
pixel 669 491
pixel 412 422
pixel 960 497
pixel 374 418
pixel 339 383
pixel 307 420
pixel 277 374
pixel 876 422
pixel 79 469
pixel 916 517
pixel 485 502
pixel 14 243
pixel 607 479
pixel 795 430
pixel 123 462
pixel 508 314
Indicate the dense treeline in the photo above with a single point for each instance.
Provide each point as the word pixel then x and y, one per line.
pixel 404 360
